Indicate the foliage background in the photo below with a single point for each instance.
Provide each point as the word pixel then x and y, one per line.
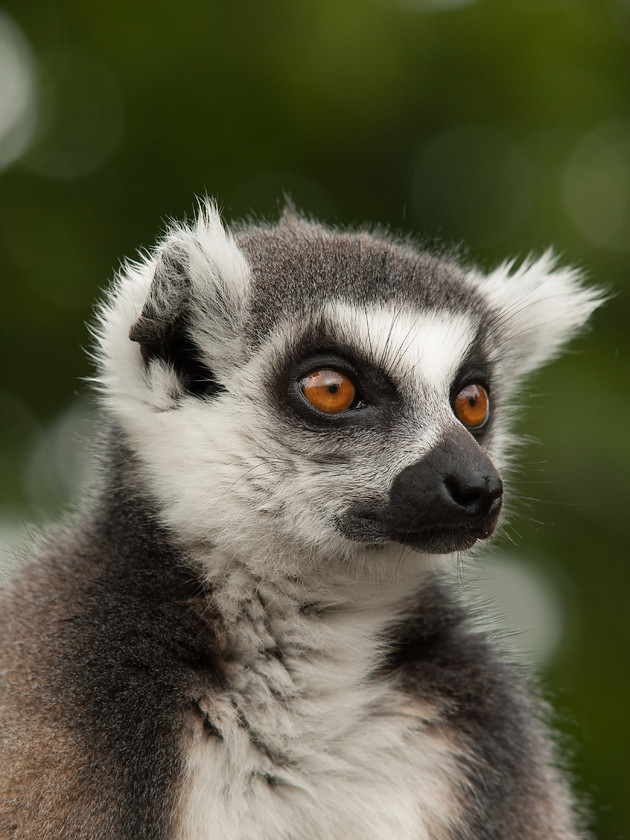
pixel 501 123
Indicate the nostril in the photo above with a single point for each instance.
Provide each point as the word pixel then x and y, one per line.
pixel 475 495
pixel 464 495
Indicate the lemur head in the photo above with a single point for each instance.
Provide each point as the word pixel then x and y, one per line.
pixel 324 391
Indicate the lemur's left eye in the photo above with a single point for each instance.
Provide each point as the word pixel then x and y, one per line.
pixel 472 406
pixel 329 390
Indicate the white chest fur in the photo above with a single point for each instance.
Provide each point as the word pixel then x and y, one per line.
pixel 309 748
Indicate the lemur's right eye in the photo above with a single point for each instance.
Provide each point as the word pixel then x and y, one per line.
pixel 329 390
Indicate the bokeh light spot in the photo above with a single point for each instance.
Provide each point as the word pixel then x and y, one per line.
pixel 528 608
pixel 17 92
pixel 597 186
pixel 59 463
pixel 81 117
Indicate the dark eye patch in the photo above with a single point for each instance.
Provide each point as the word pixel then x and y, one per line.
pixel 376 396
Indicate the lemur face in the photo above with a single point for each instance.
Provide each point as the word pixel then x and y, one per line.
pixel 336 390
pixel 384 415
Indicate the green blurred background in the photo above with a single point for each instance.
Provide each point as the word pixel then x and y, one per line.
pixel 504 124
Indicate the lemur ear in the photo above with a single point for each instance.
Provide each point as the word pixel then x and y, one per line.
pixel 195 302
pixel 163 330
pixel 173 322
pixel 539 308
pixel 166 304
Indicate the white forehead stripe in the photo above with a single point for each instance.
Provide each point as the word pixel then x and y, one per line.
pixel 428 347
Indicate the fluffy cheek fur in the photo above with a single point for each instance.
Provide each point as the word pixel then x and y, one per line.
pixel 220 476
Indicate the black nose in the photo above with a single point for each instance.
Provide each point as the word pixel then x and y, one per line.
pixel 474 493
pixel 448 500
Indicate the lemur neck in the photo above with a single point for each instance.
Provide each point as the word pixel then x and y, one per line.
pixel 321 593
pixel 305 629
pixel 296 668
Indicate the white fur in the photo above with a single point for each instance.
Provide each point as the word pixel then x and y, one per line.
pixel 539 306
pixel 425 348
pixel 350 759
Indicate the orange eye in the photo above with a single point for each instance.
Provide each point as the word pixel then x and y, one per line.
pixel 472 406
pixel 329 390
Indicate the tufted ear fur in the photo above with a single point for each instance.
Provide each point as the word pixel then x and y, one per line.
pixel 539 308
pixel 164 329
pixel 172 323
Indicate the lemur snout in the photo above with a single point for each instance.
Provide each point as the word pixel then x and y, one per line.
pixel 447 500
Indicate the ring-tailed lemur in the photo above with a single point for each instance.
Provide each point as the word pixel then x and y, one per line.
pixel 247 634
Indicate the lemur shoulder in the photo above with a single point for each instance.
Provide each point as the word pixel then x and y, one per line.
pixel 248 632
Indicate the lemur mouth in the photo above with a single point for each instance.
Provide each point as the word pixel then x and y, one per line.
pixel 376 526
pixel 443 540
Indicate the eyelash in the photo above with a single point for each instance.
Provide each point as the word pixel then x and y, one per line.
pixel 330 387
